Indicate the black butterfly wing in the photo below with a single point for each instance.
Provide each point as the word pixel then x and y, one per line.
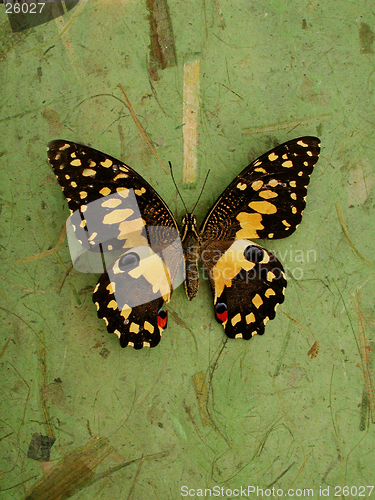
pixel 267 199
pixel 129 297
pixel 248 283
pixel 113 210
pixel 86 175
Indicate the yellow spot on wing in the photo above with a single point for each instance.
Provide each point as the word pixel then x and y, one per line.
pixel 123 192
pixel 83 195
pixel 239 336
pixel 263 207
pixel 293 196
pixel 73 184
pixel 286 223
pixel 260 169
pixel 149 327
pixel 126 310
pixel 117 216
pixel 139 192
pixel 236 319
pixel 270 276
pixel 106 163
pixel 250 318
pixel 257 301
pixel 268 194
pixel 112 305
pixel 250 223
pixel 76 163
pixel 272 157
pixel 287 164
pixel 273 183
pixel 269 292
pixel 293 184
pixel 93 236
pixel 134 328
pixel 258 162
pixel 154 271
pixel 83 208
pixel 256 185
pixel 88 172
pixel 111 203
pixel 129 227
pixel 105 191
pixel 229 265
pixel 241 186
pixel 303 144
pixel 120 176
pixel 111 287
pixel 294 210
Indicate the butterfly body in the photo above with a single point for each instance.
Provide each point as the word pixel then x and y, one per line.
pixel 191 243
pixel 266 200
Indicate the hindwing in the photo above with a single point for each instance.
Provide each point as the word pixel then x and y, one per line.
pixel 129 297
pixel 247 282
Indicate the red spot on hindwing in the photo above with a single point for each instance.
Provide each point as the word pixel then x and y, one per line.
pixel 222 317
pixel 221 313
pixel 162 319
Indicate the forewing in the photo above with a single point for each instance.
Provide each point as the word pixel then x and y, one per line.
pixel 87 175
pixel 266 200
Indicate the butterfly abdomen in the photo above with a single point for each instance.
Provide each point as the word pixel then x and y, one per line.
pixel 191 247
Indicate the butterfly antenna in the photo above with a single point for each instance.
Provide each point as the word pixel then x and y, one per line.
pixel 179 194
pixel 199 197
pixel 174 182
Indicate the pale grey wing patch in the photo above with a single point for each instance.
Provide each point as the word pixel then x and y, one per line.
pixel 130 295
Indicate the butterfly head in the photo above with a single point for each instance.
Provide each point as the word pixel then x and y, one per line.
pixel 189 226
pixel 189 221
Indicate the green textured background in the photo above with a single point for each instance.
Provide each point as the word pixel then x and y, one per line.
pixel 278 417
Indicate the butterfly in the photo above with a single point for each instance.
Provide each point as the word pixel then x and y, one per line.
pixel 117 213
